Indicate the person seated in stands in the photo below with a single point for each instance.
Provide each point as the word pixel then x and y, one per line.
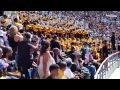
pixel 61 74
pixel 69 74
pixel 3 42
pixel 85 73
pixel 54 70
pixel 57 56
pixel 95 58
pixel 4 63
pixel 34 73
pixel 75 71
pixel 92 69
pixel 74 58
pixel 3 68
pixel 6 75
pixel 7 52
pixel 104 51
pixel 71 51
pixel 54 43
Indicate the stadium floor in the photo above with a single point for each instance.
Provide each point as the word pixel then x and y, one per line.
pixel 115 74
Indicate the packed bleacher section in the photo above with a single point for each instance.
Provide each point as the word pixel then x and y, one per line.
pixel 56 44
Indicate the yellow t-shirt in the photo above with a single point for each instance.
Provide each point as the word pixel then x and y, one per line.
pixel 61 75
pixel 35 28
pixel 3 77
pixel 97 55
pixel 70 40
pixel 3 20
pixel 16 24
pixel 28 27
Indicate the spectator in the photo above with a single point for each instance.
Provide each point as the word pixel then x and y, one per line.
pixel 119 42
pixel 3 64
pixel 3 42
pixel 92 69
pixel 24 56
pixel 104 51
pixel 69 74
pixel 84 32
pixel 113 41
pixel 54 69
pixel 61 74
pixel 45 60
pixel 75 59
pixel 72 50
pixel 58 58
pixel 13 40
pixel 54 43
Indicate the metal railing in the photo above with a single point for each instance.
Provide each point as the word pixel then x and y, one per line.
pixel 108 66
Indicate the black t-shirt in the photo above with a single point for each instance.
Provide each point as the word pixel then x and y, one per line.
pixel 12 43
pixel 24 49
pixel 69 53
pixel 49 77
pixel 24 54
pixel 54 44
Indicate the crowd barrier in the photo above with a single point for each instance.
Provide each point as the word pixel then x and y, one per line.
pixel 108 66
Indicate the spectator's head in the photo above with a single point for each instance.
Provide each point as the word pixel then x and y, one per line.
pixel 48 36
pixel 44 47
pixel 15 20
pixel 73 48
pixel 113 33
pixel 78 55
pixel 55 37
pixel 54 68
pixel 63 65
pixel 1 52
pixel 13 31
pixel 69 63
pixel 35 39
pixel 74 67
pixel 56 51
pixel 5 16
pixel 27 36
pixel 42 36
pixel 73 56
pixel 7 52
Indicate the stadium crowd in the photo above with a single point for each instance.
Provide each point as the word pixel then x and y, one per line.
pixel 56 44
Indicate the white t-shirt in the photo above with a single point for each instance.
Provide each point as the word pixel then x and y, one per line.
pixel 69 73
pixel 3 64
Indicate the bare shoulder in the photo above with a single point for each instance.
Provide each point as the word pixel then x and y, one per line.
pixel 47 54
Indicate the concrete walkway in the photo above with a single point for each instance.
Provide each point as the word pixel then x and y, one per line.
pixel 115 74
